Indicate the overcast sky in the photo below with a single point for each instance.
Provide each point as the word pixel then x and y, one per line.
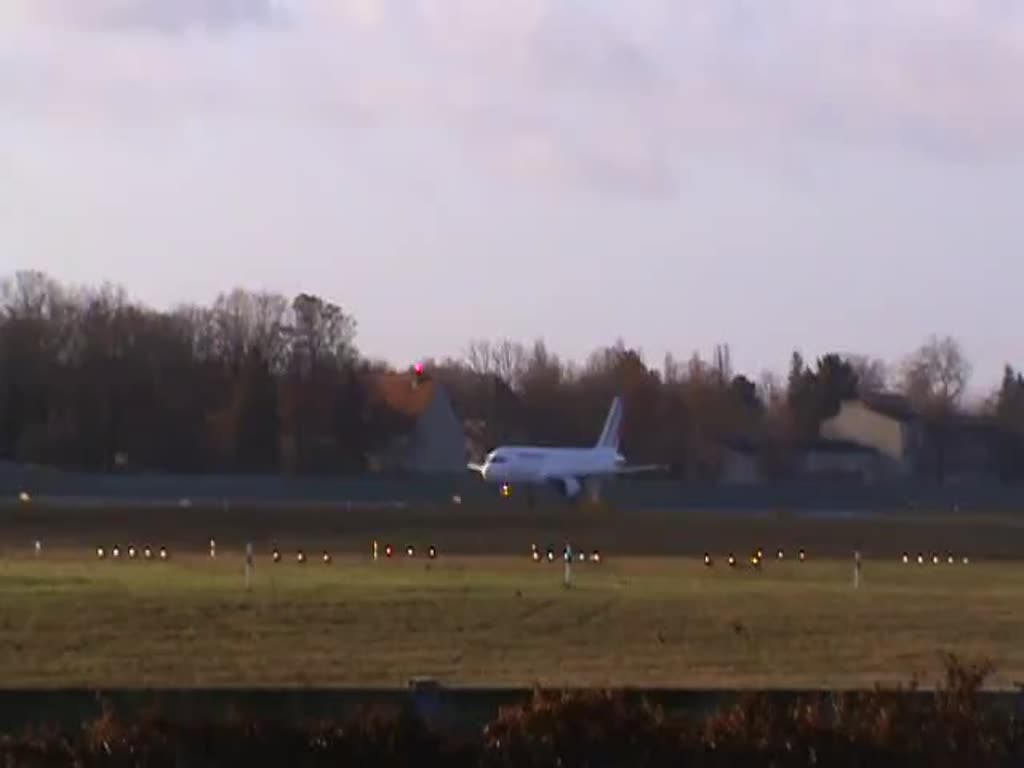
pixel 817 174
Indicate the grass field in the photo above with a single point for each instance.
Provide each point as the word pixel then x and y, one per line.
pixel 500 529
pixel 68 619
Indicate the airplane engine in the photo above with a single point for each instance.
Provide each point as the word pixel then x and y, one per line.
pixel 569 487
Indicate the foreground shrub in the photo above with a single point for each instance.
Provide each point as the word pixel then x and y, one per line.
pixel 951 726
pixel 373 737
pixel 588 728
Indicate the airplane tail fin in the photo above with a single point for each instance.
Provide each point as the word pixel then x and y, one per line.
pixel 610 434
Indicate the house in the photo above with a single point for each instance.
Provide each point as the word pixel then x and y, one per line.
pixel 744 462
pixel 740 463
pixel 842 460
pixel 958 447
pixel 434 440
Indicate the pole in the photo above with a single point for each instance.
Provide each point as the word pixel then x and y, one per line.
pixel 567 576
pixel 248 565
pixel 856 569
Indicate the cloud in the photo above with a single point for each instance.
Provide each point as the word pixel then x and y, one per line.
pixel 601 95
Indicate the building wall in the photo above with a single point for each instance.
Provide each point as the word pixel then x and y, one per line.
pixel 967 454
pixel 975 455
pixel 740 468
pixel 743 468
pixel 859 424
pixel 861 466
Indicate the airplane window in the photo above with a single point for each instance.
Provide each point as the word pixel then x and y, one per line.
pixel 497 459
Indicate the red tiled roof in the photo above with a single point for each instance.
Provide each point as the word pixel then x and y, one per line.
pixel 402 392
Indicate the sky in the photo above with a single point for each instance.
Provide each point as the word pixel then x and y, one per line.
pixel 820 175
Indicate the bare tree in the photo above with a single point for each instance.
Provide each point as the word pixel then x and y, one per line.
pixel 872 373
pixel 506 359
pixel 934 379
pixel 320 333
pixel 479 357
pixel 696 368
pixel 671 369
pixel 936 375
pixel 31 294
pixel 251 323
pixel 770 388
pixel 509 360
pixel 723 363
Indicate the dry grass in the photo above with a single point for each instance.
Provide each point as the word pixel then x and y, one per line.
pixel 508 529
pixel 67 619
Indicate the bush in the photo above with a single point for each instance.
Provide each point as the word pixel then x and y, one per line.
pixel 588 728
pixel 901 727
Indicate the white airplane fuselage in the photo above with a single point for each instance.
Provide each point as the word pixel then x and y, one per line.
pixel 568 469
pixel 533 464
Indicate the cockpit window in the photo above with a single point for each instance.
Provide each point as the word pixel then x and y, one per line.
pixel 496 459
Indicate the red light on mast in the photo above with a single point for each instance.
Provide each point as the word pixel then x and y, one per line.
pixel 418 368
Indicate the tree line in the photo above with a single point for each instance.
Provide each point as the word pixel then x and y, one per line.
pixel 257 382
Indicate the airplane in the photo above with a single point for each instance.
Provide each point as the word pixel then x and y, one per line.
pixel 567 469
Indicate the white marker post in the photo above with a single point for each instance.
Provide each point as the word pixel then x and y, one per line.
pixel 567 577
pixel 248 565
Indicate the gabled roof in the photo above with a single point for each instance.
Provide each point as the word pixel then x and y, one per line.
pixel 403 393
pixel 891 404
pixel 820 445
pixel 899 407
pixel 826 445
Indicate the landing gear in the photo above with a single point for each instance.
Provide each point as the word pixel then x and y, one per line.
pixel 530 494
